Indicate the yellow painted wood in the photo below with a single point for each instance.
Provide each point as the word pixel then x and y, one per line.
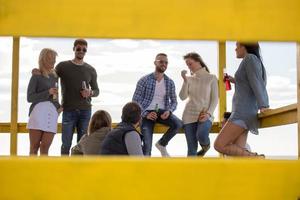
pixel 158 128
pixel 14 97
pixel 148 179
pixel 275 117
pixel 298 94
pixel 276 20
pixel 222 91
pixel 280 116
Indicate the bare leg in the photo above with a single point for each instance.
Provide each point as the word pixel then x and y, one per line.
pixel 35 139
pixel 242 140
pixel 47 139
pixel 227 138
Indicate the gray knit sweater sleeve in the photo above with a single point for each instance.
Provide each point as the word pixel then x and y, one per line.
pixel 133 144
pixel 32 94
pixel 38 90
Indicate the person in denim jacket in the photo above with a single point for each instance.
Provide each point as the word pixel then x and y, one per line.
pixel 249 97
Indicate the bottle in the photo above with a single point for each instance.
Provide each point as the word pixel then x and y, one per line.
pixel 156 108
pixel 83 85
pixel 226 80
pixel 55 95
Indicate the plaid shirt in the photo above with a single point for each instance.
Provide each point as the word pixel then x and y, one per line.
pixel 144 93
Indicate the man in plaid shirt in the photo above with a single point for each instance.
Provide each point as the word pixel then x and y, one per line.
pixel 156 95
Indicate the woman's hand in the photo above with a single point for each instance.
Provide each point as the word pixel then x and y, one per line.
pixel 263 110
pixel 231 79
pixel 183 75
pixel 60 109
pixel 53 91
pixel 203 116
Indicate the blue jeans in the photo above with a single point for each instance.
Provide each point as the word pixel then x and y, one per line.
pixel 147 131
pixel 78 119
pixel 197 132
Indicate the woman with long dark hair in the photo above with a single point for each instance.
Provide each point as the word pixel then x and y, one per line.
pixel 249 97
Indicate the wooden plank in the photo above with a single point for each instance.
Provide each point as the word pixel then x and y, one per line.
pixel 298 94
pixel 222 91
pixel 159 128
pixel 14 97
pixel 280 116
pixel 275 117
pixel 276 20
pixel 98 177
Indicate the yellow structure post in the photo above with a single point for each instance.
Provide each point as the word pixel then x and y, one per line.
pixel 14 97
pixel 298 94
pixel 222 92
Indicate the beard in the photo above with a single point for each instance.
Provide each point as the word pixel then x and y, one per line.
pixel 160 69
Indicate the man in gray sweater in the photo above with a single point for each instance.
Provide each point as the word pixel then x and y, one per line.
pixel 78 85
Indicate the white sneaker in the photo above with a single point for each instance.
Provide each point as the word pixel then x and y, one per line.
pixel 162 149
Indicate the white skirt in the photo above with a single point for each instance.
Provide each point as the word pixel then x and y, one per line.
pixel 43 117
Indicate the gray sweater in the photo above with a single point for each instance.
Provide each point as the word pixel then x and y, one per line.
pixel 71 77
pixel 250 92
pixel 91 144
pixel 38 90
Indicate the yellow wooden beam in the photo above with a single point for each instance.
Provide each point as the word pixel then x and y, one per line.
pixel 276 20
pixel 298 94
pixel 275 117
pixel 280 116
pixel 148 179
pixel 158 128
pixel 222 91
pixel 14 97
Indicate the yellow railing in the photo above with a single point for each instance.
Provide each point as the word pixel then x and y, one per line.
pixel 148 179
pixel 248 20
pixel 132 178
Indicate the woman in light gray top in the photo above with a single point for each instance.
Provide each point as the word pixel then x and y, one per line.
pixel 90 143
pixel 44 110
pixel 249 97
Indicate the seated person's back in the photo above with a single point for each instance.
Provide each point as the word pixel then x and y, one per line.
pixel 124 139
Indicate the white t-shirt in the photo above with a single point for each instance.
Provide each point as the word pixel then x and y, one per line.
pixel 159 95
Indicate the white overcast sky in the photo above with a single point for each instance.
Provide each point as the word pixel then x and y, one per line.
pixel 121 62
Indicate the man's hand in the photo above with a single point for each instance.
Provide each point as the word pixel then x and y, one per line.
pixel 35 71
pixel 152 116
pixel 86 93
pixel 165 115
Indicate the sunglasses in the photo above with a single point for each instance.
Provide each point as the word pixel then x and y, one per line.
pixel 162 62
pixel 81 49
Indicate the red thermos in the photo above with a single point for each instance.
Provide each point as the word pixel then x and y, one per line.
pixel 226 80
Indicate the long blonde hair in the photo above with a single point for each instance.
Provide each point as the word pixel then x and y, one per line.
pixel 46 59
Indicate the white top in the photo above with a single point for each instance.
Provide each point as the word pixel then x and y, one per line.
pixel 202 90
pixel 159 95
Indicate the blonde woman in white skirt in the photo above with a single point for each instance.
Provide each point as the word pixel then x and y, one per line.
pixel 42 92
